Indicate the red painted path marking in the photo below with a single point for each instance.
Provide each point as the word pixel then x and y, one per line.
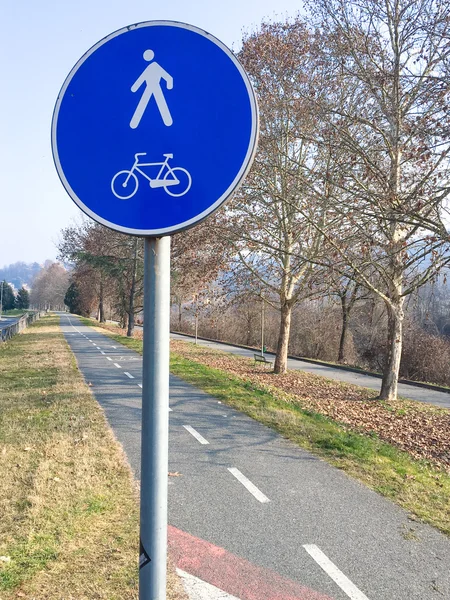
pixel 233 574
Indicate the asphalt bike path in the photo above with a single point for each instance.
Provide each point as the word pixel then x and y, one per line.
pixel 412 392
pixel 253 515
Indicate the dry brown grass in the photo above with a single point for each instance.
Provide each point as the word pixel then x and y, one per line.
pixel 68 505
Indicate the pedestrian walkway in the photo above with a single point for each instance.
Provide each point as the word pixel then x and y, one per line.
pixel 441 399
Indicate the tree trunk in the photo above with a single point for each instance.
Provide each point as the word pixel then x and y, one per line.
pixel 345 311
pixel 394 352
pixel 130 328
pixel 283 339
pixel 130 311
pixel 179 316
pixel 101 309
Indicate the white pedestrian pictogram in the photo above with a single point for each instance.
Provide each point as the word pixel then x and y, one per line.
pixel 152 76
pixel 125 184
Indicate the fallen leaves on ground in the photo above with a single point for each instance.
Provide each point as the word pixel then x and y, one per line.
pixel 420 429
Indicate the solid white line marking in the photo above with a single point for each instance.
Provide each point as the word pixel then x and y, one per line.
pixel 129 375
pixel 196 434
pixel 249 485
pixel 108 358
pixel 336 575
pixel 118 366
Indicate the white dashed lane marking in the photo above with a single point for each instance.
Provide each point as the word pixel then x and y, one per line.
pixel 336 575
pixel 118 366
pixel 196 434
pixel 251 487
pixel 129 375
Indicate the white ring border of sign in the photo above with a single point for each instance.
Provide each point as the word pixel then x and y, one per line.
pixel 246 164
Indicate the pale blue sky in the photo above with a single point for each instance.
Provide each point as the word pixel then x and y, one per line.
pixel 40 42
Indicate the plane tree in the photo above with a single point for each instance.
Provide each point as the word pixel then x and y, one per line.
pixel 269 219
pixel 387 120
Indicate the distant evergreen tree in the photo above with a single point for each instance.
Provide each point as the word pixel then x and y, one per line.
pixel 8 299
pixel 72 299
pixel 23 298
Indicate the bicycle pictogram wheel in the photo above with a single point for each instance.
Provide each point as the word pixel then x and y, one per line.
pixel 124 184
pixel 184 182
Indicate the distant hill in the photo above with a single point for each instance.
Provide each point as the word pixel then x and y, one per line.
pixel 20 273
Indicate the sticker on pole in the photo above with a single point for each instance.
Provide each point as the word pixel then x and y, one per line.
pixel 144 558
pixel 154 128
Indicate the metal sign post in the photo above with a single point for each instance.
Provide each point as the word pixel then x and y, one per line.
pixel 153 130
pixel 155 420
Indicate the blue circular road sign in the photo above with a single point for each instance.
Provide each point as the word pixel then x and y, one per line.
pixel 154 128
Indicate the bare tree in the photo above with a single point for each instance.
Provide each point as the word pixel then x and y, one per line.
pixel 389 127
pixel 269 218
pixel 49 287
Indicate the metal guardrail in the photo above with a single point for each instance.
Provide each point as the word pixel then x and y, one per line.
pixel 6 333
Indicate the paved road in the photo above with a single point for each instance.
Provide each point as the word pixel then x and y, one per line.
pixel 256 516
pixel 5 321
pixel 421 394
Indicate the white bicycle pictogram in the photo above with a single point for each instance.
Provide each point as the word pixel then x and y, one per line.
pixel 125 184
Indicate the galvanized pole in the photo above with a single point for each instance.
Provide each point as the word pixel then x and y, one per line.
pixel 155 420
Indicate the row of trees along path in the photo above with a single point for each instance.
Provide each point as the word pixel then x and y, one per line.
pixel 348 192
pixel 352 171
pixel 109 268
